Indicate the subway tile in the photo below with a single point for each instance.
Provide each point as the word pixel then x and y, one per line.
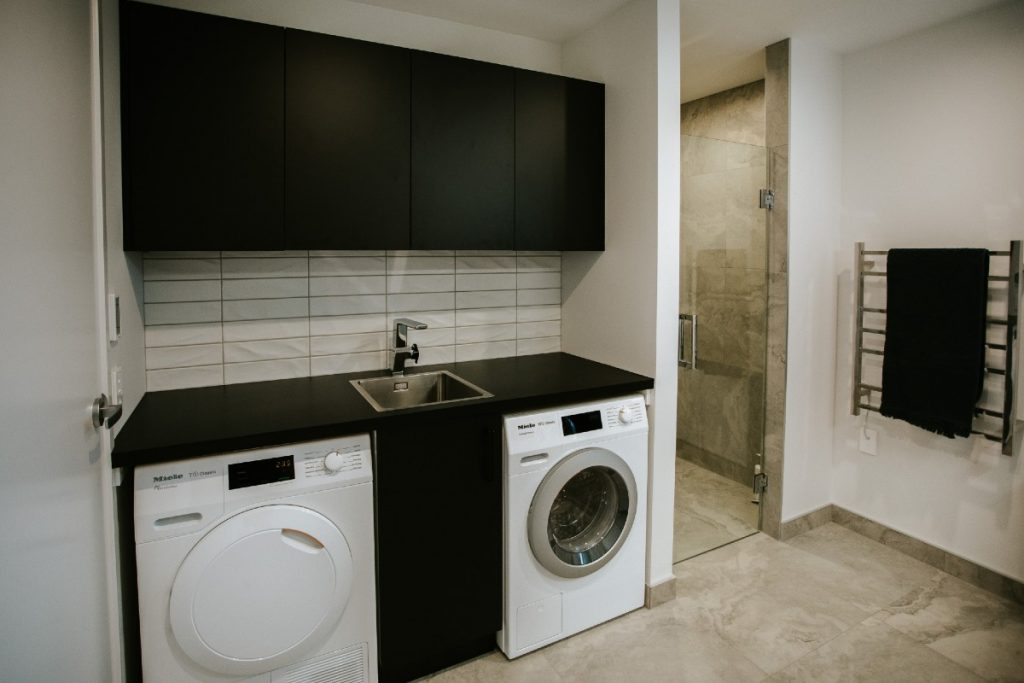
pixel 347 285
pixel 344 252
pixel 430 318
pixel 420 302
pixel 484 333
pixel 484 252
pixel 248 330
pixel 539 297
pixel 183 378
pixel 529 314
pixel 485 264
pixel 421 265
pixel 182 335
pixel 265 370
pixel 347 305
pixel 348 324
pixel 485 299
pixel 474 282
pixel 181 269
pixel 432 336
pixel 171 314
pixel 551 328
pixel 265 309
pixel 300 253
pixel 183 356
pixel 539 280
pixel 347 343
pixel 241 268
pixel 421 252
pixel 529 347
pixel 171 291
pixel 536 264
pixel 346 265
pixel 348 362
pixel 416 284
pixel 271 349
pixel 435 355
pixel 485 316
pixel 464 352
pixel 538 253
pixel 266 288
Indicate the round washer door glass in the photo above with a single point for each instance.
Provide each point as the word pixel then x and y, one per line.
pixel 261 590
pixel 582 512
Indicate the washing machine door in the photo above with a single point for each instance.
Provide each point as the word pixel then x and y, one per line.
pixel 261 590
pixel 582 512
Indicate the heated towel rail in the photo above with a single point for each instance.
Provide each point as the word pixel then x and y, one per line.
pixel 863 393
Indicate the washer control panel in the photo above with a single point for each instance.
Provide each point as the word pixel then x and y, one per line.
pixel 530 431
pixel 179 497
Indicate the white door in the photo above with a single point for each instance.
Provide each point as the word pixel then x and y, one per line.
pixel 54 623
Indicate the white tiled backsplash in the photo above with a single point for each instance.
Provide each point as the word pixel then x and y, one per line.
pixel 227 317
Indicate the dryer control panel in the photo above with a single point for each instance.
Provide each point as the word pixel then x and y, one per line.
pixel 175 498
pixel 572 424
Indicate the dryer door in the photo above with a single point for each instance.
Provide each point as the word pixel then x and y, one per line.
pixel 582 512
pixel 261 590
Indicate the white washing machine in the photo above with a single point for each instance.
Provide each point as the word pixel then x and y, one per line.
pixel 575 520
pixel 258 565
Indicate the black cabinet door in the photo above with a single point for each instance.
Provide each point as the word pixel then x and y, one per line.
pixel 439 530
pixel 203 130
pixel 347 140
pixel 463 127
pixel 559 163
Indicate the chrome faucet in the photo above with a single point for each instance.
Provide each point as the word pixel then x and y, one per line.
pixel 401 348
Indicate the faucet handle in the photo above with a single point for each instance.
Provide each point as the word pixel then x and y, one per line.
pixel 415 353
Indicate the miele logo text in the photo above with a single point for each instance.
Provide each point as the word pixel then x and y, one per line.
pixel 167 477
pixel 529 425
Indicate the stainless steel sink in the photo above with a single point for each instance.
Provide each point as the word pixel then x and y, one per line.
pixel 420 389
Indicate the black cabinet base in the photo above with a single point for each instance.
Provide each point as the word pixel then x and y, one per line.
pixel 466 650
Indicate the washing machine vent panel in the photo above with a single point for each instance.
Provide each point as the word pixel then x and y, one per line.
pixel 346 666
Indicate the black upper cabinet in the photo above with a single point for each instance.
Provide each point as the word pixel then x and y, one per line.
pixel 463 153
pixel 203 115
pixel 347 138
pixel 559 163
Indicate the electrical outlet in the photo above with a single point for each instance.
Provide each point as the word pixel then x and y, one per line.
pixel 869 441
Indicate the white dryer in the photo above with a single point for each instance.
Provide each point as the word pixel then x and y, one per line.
pixel 575 520
pixel 258 565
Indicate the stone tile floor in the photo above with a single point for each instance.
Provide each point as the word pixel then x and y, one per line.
pixel 710 511
pixel 829 605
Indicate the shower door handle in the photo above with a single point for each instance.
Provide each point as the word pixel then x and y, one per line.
pixel 690 362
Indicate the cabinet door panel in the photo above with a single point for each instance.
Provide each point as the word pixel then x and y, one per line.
pixel 463 127
pixel 203 131
pixel 559 163
pixel 439 532
pixel 347 138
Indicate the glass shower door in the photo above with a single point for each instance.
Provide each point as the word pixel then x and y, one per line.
pixel 723 321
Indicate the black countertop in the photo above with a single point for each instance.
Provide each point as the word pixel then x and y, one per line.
pixel 187 423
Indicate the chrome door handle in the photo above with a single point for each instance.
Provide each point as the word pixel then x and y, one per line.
pixel 690 362
pixel 105 414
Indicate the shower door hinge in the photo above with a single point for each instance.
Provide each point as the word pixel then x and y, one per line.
pixel 767 199
pixel 760 481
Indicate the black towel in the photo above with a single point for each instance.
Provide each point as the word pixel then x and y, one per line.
pixel 934 364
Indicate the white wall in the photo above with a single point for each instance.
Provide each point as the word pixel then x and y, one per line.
pixel 619 306
pixel 933 155
pixel 391 27
pixel 814 199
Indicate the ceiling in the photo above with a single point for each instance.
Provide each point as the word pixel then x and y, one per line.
pixel 722 40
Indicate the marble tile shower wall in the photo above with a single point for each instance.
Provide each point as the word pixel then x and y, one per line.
pixel 227 317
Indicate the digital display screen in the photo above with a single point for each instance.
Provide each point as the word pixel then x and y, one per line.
pixel 581 422
pixel 255 472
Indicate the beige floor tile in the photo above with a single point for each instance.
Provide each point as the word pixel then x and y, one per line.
pixel 970 626
pixel 496 668
pixel 650 645
pixel 872 652
pixel 710 511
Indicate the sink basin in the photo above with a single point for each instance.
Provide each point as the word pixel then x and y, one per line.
pixel 420 389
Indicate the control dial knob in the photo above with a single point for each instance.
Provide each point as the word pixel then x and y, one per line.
pixel 333 462
pixel 625 416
